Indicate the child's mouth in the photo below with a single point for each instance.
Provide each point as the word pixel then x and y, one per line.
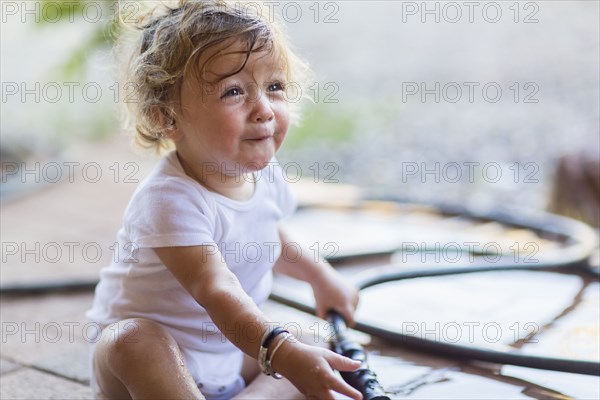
pixel 260 139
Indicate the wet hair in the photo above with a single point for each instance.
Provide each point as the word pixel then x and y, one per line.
pixel 167 44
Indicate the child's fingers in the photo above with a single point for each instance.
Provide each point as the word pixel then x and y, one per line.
pixel 348 314
pixel 345 310
pixel 321 311
pixel 341 363
pixel 338 385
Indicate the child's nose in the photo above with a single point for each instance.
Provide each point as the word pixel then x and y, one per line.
pixel 262 109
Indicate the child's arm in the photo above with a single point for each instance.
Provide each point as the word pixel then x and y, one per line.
pixel 330 288
pixel 203 273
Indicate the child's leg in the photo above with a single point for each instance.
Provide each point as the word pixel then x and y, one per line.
pixel 138 358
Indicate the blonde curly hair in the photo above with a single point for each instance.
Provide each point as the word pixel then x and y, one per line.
pixel 166 42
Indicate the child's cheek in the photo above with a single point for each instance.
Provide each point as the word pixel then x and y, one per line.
pixel 283 121
pixel 285 117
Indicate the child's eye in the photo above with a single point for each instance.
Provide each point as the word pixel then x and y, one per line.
pixel 231 92
pixel 275 87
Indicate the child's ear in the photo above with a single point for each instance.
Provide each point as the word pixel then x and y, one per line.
pixel 172 132
pixel 167 124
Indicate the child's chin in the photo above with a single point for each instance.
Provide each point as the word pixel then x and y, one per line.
pixel 260 162
pixel 257 165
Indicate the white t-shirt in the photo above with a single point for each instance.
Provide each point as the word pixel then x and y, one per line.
pixel 171 209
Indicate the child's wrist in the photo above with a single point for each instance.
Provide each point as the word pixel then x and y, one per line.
pixel 280 361
pixel 272 341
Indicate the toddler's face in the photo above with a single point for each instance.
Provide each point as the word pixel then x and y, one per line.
pixel 237 124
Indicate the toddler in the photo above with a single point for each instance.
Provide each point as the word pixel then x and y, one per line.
pixel 180 313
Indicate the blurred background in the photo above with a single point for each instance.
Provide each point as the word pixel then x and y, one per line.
pixel 420 100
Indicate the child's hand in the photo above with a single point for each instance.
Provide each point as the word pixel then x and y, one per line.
pixel 330 288
pixel 333 292
pixel 310 369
